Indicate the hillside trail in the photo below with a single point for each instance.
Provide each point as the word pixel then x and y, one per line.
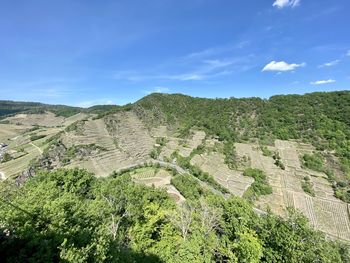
pixel 37 147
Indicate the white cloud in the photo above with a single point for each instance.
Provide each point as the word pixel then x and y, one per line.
pixel 286 3
pixel 161 89
pixel 329 64
pixel 282 66
pixel 90 103
pixel 321 82
pixel 348 54
pixel 157 90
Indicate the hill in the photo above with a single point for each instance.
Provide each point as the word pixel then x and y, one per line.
pixel 287 158
pixel 13 107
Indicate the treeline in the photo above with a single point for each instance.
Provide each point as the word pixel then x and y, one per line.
pixel 13 107
pixel 8 108
pixel 71 216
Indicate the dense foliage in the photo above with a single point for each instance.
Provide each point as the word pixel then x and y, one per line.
pixel 35 137
pixel 188 186
pixel 259 187
pixel 313 161
pixel 70 216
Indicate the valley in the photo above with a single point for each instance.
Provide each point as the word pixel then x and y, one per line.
pixel 123 142
pixel 178 177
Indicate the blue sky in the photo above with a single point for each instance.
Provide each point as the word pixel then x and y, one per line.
pixel 84 52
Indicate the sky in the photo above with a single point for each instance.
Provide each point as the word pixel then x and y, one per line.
pixel 85 52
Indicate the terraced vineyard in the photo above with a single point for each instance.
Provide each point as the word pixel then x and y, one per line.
pixel 183 146
pixel 48 119
pixel 214 164
pixel 131 134
pixel 10 131
pixel 125 145
pixel 17 165
pixel 324 211
pixel 27 135
pixel 159 178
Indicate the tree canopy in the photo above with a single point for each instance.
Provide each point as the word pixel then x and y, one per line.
pixel 71 216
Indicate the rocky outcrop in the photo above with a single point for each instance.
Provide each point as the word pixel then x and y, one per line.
pixel 24 176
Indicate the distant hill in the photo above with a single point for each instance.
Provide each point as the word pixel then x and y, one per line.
pixel 8 108
pixel 15 107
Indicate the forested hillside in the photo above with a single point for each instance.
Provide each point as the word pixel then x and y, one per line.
pixel 70 216
pixel 321 118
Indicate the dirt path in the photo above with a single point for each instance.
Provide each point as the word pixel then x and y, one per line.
pixel 38 148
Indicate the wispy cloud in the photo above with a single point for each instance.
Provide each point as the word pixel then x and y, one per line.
pixel 196 70
pixel 322 13
pixel 128 75
pixel 282 66
pixel 136 76
pixel 286 3
pixel 330 64
pixel 184 77
pixel 348 53
pixel 321 82
pixel 214 51
pixel 40 89
pixel 217 63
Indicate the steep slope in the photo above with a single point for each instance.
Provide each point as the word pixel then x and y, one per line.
pixel 213 140
pixel 321 118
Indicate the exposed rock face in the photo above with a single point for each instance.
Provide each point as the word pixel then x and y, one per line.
pixel 60 155
pixel 24 176
pixel 52 158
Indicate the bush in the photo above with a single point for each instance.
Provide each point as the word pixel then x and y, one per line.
pixel 259 187
pixel 307 186
pixel 266 151
pixel 278 161
pixel 313 162
pixel 188 186
pixel 36 137
pixel 6 157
